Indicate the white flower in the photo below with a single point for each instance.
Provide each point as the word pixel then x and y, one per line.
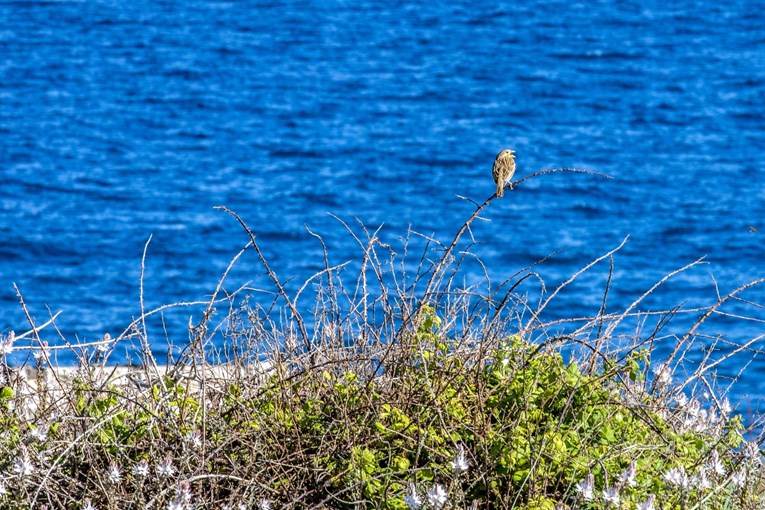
pixel 105 344
pixel 88 505
pixel 165 468
pixel 681 400
pixel 701 421
pixel 586 489
pixel 738 478
pixel 39 434
pixel 460 463
pixel 195 438
pixel 22 466
pixel 715 465
pixel 264 504
pixel 41 355
pixel 176 504
pixel 141 469
pixel 677 476
pixel 663 375
pixel 628 476
pixel 648 503
pixel 725 408
pixel 3 489
pixel 437 496
pixel 183 491
pixel 6 345
pixel 412 500
pixel 752 452
pixel 114 473
pixel 701 481
pixel 611 496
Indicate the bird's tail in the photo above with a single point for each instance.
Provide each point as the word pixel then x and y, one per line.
pixel 500 189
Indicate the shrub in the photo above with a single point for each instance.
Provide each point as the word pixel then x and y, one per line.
pixel 400 398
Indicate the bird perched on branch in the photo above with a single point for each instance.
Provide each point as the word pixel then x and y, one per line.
pixel 504 168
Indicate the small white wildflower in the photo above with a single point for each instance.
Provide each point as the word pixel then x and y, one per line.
pixel 195 438
pixel 752 452
pixel 41 355
pixel 39 434
pixel 628 476
pixel 264 504
pixel 141 469
pixel 611 495
pixel 725 408
pixel 677 476
pixel 701 424
pixel 6 345
pixel 22 466
pixel 176 504
pixel 412 499
pixel 663 375
pixel 738 478
pixel 165 468
pixel 715 465
pixel 437 496
pixel 114 473
pixel 460 463
pixel 681 400
pixel 648 503
pixel 701 480
pixel 183 491
pixel 87 505
pixel 586 489
pixel 105 344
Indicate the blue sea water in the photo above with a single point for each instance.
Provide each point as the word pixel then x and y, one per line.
pixel 124 119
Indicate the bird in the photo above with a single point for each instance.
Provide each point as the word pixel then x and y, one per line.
pixel 504 168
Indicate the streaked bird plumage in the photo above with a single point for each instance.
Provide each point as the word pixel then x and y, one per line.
pixel 504 168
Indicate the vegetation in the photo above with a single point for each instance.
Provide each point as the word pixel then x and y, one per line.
pixel 402 391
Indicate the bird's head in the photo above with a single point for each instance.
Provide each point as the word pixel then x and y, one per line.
pixel 508 152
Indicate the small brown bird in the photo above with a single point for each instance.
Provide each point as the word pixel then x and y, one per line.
pixel 504 168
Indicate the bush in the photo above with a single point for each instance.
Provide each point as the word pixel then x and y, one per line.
pixel 442 398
